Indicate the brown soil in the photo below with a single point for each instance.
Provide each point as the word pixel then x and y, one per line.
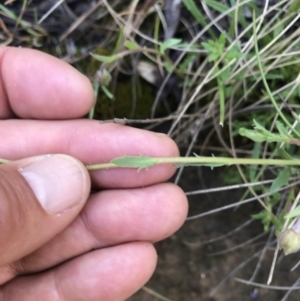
pixel 187 271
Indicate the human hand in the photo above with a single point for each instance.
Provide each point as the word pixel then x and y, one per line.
pixel 58 241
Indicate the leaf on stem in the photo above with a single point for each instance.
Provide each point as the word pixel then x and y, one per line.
pixel 281 180
pixel 131 45
pixel 293 213
pixel 139 162
pixel 169 44
pixel 105 59
pixel 260 134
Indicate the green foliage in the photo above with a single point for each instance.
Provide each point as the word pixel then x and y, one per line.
pixel 281 180
pixel 294 7
pixel 197 14
pixel 216 5
pixel 216 50
pixel 260 134
pixel 105 59
pixel 131 45
pixel 293 213
pixel 169 44
pixel 25 25
pixel 266 217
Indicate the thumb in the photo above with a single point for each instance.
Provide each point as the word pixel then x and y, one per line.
pixel 39 197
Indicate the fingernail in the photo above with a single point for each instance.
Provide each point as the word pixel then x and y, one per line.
pixel 57 182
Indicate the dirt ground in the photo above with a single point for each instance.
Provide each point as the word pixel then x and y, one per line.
pixel 186 269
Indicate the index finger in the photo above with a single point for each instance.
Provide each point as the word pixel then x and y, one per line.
pixel 35 85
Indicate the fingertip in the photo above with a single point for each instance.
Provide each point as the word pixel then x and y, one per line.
pixel 40 196
pixel 40 86
pixel 120 271
pixel 177 204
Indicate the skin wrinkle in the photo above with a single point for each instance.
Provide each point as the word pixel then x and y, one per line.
pixel 7 187
pixel 26 262
pixel 17 268
pixel 84 221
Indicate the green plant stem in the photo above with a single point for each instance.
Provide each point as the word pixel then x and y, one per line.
pixel 134 162
pixel 96 91
pixel 2 161
pixel 198 161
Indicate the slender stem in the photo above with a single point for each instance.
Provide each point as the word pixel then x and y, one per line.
pixel 101 166
pixel 2 161
pixel 192 161
pixel 204 160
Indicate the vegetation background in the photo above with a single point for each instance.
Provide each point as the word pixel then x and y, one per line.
pixel 204 72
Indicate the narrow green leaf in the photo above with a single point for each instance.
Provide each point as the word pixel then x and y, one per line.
pixel 139 162
pixel 25 25
pixel 119 41
pixel 107 92
pixel 105 59
pixel 253 135
pixel 131 45
pixel 169 44
pixel 281 180
pixel 155 294
pixel 194 10
pixel 282 130
pixel 273 76
pixel 294 213
pixel 262 135
pixel 216 5
pixel 258 126
pixel 278 29
pixel 294 7
pixel 284 155
pixel 221 100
